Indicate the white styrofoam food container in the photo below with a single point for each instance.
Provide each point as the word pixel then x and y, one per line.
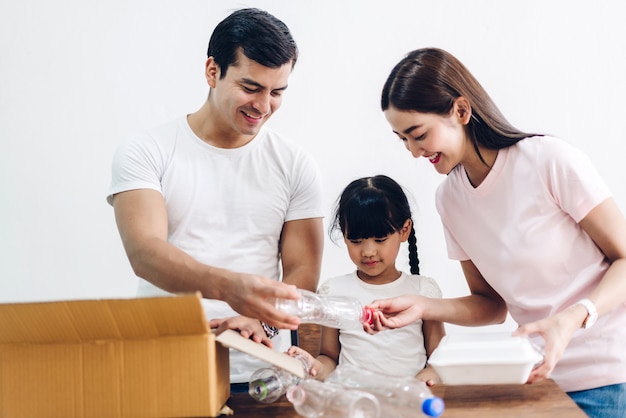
pixel 484 359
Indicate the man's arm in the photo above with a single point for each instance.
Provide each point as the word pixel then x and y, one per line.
pixel 301 246
pixel 141 217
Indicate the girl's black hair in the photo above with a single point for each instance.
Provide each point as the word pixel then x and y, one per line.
pixel 374 207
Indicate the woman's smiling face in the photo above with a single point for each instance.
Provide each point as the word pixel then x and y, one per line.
pixel 440 139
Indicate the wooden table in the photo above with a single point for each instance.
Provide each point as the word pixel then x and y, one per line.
pixel 539 400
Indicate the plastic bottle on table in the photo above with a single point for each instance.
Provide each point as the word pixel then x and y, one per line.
pixel 329 311
pixel 398 396
pixel 270 383
pixel 312 398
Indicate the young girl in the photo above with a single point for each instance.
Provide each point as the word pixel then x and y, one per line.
pixel 374 217
pixel 532 223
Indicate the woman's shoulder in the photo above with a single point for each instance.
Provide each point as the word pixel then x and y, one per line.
pixel 539 145
pixel 550 151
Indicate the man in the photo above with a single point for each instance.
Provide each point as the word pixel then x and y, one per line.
pixel 217 203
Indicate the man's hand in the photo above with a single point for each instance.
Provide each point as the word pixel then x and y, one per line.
pixel 253 296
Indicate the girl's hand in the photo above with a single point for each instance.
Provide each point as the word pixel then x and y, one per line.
pixel 429 376
pixel 316 365
pixel 247 327
pixel 394 312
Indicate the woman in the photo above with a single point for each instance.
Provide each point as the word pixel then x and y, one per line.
pixel 534 227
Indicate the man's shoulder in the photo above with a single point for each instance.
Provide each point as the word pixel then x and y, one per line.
pixel 274 136
pixel 278 143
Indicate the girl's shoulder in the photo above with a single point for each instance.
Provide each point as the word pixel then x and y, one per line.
pixel 330 285
pixel 424 285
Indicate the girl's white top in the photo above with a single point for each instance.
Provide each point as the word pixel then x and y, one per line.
pixel 397 352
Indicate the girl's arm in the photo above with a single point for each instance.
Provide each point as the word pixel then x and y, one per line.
pixel 329 352
pixel 433 332
pixel 326 362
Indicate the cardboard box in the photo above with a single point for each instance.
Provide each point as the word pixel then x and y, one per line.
pixel 484 359
pixel 148 357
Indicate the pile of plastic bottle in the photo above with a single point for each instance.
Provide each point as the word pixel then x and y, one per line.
pixel 349 391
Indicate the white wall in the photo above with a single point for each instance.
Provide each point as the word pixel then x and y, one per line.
pixel 78 76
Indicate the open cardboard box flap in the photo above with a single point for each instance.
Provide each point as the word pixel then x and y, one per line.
pixel 92 320
pixel 233 339
pixel 108 358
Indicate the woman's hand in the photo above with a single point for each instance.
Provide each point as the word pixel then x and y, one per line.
pixel 557 332
pixel 394 312
pixel 247 327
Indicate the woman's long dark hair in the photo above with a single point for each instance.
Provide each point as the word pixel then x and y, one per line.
pixel 429 80
pixel 374 207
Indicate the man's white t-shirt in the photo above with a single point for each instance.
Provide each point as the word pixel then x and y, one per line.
pixel 396 352
pixel 520 228
pixel 225 207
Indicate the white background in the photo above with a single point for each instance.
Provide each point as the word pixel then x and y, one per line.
pixel 78 76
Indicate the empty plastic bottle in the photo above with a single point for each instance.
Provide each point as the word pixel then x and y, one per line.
pixel 329 311
pixel 312 398
pixel 270 383
pixel 398 396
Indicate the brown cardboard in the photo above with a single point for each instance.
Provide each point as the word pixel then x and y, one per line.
pixel 147 357
pixel 234 340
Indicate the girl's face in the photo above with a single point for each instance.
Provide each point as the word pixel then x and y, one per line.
pixel 440 139
pixel 375 258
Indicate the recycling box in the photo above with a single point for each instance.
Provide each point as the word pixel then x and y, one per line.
pixel 142 357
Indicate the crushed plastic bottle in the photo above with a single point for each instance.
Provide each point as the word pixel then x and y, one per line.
pixel 270 383
pixel 330 311
pixel 312 398
pixel 398 396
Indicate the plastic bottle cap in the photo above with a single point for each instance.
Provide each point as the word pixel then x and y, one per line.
pixel 368 315
pixel 433 406
pixel 296 395
pixel 259 389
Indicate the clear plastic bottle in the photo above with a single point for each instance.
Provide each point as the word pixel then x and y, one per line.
pixel 329 311
pixel 312 398
pixel 270 383
pixel 398 396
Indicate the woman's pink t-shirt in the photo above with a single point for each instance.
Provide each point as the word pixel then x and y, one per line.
pixel 520 228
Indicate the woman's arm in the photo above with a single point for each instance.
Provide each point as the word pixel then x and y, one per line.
pixel 483 307
pixel 606 226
